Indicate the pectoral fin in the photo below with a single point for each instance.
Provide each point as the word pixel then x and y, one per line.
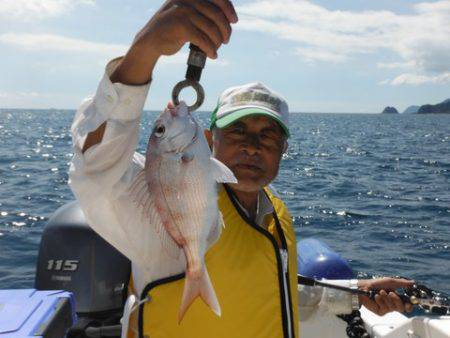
pixel 221 172
pixel 215 231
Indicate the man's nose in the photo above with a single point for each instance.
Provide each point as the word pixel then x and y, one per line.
pixel 251 144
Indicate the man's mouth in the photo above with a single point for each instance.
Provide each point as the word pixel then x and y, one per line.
pixel 248 166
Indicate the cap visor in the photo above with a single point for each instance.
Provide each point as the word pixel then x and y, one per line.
pixel 238 114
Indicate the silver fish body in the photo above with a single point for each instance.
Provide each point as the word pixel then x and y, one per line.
pixel 181 197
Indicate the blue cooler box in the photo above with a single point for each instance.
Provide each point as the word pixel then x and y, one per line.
pixel 33 313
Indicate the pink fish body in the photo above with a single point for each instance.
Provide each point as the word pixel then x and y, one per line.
pixel 180 198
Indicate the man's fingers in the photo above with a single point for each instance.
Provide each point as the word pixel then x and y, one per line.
pixel 216 15
pixel 369 304
pixel 402 283
pixel 396 302
pixel 197 37
pixel 208 27
pixel 386 302
pixel 395 283
pixel 380 299
pixel 227 8
pixel 409 307
pixel 390 306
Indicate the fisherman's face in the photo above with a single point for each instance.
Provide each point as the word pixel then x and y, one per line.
pixel 252 148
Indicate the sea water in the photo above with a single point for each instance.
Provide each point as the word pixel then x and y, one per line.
pixel 375 188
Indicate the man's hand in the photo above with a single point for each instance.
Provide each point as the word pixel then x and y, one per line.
pixel 205 23
pixel 386 299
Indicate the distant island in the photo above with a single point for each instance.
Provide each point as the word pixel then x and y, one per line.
pixel 440 108
pixel 390 110
pixel 411 110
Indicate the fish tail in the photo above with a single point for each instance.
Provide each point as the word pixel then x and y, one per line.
pixel 194 287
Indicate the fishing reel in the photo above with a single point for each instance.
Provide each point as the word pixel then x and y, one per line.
pixel 431 301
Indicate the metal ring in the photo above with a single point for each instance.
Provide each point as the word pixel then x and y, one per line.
pixel 189 83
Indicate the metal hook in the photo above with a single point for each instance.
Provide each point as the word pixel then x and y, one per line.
pixel 189 83
pixel 196 63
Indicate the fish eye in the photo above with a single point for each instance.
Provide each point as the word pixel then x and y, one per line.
pixel 159 130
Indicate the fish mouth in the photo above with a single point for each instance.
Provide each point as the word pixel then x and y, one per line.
pixel 194 138
pixel 192 141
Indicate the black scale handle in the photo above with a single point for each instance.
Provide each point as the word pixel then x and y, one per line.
pixel 196 63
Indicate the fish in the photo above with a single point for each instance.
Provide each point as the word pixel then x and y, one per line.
pixel 177 191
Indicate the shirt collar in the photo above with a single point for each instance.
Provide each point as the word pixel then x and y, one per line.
pixel 264 207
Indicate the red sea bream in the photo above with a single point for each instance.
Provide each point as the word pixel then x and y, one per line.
pixel 177 193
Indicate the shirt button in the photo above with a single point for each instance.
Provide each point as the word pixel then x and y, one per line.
pixel 127 101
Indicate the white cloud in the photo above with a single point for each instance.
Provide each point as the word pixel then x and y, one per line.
pixel 418 79
pixel 431 7
pixel 396 65
pixel 311 55
pixel 51 42
pixel 384 82
pixel 27 10
pixel 420 40
pixel 58 43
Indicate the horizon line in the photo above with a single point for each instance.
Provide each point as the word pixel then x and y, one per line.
pixel 199 111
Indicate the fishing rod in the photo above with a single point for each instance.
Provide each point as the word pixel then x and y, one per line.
pixel 420 295
pixel 303 280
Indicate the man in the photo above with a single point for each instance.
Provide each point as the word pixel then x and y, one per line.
pixel 253 265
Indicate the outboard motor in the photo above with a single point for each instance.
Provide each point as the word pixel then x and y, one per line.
pixel 74 258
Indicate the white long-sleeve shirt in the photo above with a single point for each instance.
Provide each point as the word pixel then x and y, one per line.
pixel 100 178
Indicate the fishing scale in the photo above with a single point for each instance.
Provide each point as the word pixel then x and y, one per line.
pixel 196 62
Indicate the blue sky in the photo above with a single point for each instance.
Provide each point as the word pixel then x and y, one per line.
pixel 321 55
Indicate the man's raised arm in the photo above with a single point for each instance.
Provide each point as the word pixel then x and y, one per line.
pixel 202 22
pixel 105 130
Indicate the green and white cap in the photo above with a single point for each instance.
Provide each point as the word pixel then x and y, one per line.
pixel 250 99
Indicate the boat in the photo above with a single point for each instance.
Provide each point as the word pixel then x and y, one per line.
pixel 94 278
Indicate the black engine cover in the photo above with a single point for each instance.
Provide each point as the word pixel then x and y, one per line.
pixel 74 258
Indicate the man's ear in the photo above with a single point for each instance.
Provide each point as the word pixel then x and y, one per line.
pixel 208 135
pixel 285 146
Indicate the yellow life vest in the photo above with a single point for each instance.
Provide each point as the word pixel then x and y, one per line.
pixel 257 292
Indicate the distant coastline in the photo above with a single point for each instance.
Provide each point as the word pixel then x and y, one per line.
pixel 440 108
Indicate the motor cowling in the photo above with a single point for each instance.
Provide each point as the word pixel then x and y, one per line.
pixel 74 258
